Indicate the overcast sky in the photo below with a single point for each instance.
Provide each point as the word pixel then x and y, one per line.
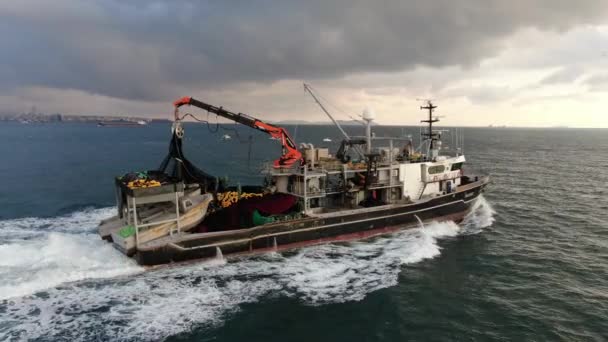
pixel 516 62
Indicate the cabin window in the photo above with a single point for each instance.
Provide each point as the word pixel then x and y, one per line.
pixel 456 166
pixel 436 169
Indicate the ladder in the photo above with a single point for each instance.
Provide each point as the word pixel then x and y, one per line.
pixel 421 191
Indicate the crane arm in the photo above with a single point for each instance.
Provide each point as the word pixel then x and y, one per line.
pixel 290 154
pixel 357 147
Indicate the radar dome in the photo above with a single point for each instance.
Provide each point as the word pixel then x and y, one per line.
pixel 368 114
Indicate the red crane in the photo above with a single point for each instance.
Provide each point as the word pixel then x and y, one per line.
pixel 290 154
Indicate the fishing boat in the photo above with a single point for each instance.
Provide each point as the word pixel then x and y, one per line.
pixel 309 196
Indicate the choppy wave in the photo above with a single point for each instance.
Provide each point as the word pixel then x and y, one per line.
pixel 77 295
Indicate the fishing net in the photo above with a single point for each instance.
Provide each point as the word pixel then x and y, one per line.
pixel 179 167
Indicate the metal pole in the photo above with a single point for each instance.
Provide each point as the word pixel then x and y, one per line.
pixel 305 190
pixel 128 211
pixel 462 134
pixel 177 215
pixel 368 134
pixel 307 88
pixel 346 136
pixel 135 222
pixel 390 166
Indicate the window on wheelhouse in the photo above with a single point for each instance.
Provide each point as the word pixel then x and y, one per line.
pixel 456 166
pixel 436 169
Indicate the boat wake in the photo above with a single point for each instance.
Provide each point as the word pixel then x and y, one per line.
pixel 59 281
pixel 41 253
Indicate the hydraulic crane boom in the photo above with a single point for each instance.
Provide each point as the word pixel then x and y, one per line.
pixel 290 154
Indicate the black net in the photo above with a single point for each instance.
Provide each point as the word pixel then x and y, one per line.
pixel 179 167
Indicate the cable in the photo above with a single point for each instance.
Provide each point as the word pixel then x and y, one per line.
pixel 217 124
pixel 333 105
pixel 235 132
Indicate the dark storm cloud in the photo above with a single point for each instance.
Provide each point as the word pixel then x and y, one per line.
pixel 149 49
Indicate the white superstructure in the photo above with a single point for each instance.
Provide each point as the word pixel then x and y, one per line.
pixel 381 176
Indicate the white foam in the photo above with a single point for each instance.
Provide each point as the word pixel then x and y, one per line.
pixel 30 227
pixel 38 264
pixel 38 254
pixel 160 303
pixel 480 217
pixel 346 272
pixel 150 306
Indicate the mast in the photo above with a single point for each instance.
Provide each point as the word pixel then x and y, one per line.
pixel 430 135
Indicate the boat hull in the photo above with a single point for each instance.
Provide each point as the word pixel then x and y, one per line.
pixel 324 228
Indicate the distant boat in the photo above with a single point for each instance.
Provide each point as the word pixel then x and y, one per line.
pixel 327 140
pixel 121 122
pixel 226 137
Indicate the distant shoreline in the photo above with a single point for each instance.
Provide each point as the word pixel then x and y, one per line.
pixel 27 118
pixel 58 118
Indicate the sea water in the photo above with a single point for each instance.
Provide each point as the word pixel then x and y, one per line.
pixel 529 262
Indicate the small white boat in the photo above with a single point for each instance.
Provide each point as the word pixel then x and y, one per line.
pixel 155 221
pixel 327 140
pixel 226 137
